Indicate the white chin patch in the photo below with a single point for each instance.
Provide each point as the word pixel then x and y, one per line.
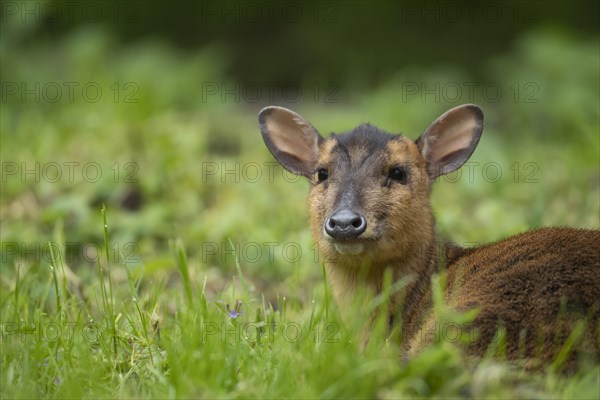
pixel 355 248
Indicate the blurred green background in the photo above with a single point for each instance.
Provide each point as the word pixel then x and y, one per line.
pixel 150 108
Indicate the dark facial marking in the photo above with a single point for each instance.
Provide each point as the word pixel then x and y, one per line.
pixel 357 159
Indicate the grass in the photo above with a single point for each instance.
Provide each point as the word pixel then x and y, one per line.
pixel 125 284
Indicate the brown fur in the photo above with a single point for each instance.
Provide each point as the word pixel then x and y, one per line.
pixel 523 281
pixel 536 285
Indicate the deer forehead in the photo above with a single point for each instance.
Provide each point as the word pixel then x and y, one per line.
pixel 396 149
pixel 405 151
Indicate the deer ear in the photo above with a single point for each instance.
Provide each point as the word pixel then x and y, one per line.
pixel 451 139
pixel 291 139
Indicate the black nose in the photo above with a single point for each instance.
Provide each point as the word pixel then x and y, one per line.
pixel 345 224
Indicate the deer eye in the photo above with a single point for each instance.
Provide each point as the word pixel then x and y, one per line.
pixel 322 174
pixel 398 174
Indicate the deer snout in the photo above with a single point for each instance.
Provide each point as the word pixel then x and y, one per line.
pixel 345 224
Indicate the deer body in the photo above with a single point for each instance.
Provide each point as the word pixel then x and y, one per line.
pixel 370 212
pixel 537 285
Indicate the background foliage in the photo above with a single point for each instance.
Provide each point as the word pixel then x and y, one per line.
pixel 173 133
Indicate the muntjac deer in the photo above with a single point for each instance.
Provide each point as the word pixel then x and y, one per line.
pixel 370 211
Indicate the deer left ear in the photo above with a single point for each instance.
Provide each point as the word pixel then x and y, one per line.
pixel 451 139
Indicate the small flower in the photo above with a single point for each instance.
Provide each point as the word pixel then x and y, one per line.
pixel 234 313
pixel 57 381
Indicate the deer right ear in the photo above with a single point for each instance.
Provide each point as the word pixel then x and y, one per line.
pixel 291 139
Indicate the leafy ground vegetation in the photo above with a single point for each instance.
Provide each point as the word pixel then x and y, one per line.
pixel 152 249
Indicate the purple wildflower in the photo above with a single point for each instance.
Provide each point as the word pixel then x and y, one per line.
pixel 234 313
